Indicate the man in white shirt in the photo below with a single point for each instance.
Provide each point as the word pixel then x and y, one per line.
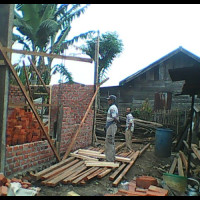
pixel 111 129
pixel 129 129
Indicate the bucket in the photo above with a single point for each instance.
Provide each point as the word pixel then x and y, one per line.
pixel 175 182
pixel 163 142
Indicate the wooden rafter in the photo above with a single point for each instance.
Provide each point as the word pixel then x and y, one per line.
pixel 34 53
pixel 7 60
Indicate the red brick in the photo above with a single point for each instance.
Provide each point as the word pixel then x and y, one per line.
pixel 146 181
pixel 3 191
pixel 3 179
pixel 158 189
pixel 153 193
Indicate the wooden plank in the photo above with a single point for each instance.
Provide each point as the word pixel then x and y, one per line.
pixel 29 102
pixel 101 164
pixel 38 175
pixel 119 178
pixel 180 167
pixel 88 151
pixel 63 175
pixel 80 178
pixel 184 160
pixel 73 175
pixel 104 173
pixel 38 73
pixel 117 171
pixel 144 149
pixel 117 158
pixel 82 121
pixel 173 166
pixel 59 170
pixel 34 53
pixel 195 150
pixel 94 174
pixel 82 157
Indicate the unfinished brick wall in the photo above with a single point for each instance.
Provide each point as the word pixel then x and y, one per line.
pixel 26 156
pixel 75 99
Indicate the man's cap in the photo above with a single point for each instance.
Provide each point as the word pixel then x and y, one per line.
pixel 112 97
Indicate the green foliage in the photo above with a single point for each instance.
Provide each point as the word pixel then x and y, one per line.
pixel 144 111
pixel 110 46
pixel 44 28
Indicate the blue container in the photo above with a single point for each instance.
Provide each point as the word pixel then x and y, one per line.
pixel 163 142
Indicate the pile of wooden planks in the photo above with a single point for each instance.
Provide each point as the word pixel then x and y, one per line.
pixel 22 127
pixel 180 163
pixel 142 127
pixel 85 164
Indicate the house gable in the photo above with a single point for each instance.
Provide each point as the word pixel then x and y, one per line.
pixel 178 58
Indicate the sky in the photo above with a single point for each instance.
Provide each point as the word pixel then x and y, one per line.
pixel 148 32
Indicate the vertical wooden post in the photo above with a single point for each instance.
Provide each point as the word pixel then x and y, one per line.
pixel 96 81
pixel 6 25
pixel 190 136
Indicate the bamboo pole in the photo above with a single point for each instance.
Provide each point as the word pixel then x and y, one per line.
pixel 82 121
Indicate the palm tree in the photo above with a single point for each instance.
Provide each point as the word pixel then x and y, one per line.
pixel 44 28
pixel 110 46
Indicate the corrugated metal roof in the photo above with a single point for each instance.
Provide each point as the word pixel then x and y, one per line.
pixel 162 59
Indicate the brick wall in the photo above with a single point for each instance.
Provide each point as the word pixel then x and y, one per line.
pixel 28 156
pixel 75 99
pixel 16 95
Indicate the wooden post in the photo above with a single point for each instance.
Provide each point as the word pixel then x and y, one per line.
pixel 29 102
pixel 6 25
pixel 82 121
pixel 27 81
pixel 96 81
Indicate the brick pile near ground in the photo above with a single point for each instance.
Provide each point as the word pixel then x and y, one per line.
pixel 22 127
pixel 5 183
pixel 142 186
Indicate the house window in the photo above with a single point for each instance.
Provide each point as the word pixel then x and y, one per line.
pixel 162 101
pixel 156 74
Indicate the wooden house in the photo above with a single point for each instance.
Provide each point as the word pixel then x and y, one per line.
pixel 154 83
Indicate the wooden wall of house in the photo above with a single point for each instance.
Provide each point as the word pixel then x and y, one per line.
pixel 155 80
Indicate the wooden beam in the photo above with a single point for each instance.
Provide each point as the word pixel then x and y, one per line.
pixel 117 171
pixel 173 166
pixel 119 178
pixel 101 164
pixel 83 120
pixel 144 149
pixel 180 167
pixel 34 53
pixel 27 81
pixel 38 73
pixel 38 175
pixel 184 160
pixel 30 103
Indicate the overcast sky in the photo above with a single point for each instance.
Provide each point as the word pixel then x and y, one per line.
pixel 148 32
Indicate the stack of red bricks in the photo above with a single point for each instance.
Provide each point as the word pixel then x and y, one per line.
pixel 5 183
pixel 142 186
pixel 22 127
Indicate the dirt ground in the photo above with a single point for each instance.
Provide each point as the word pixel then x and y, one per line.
pixel 146 164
